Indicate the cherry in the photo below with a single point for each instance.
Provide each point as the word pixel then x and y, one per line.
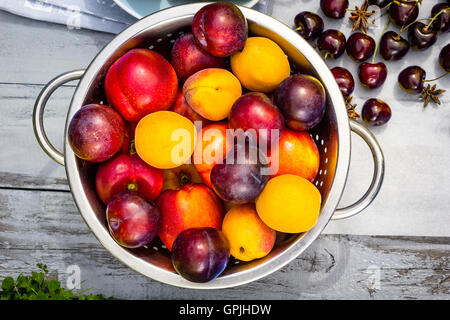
pixel 403 12
pixel 308 24
pixel 360 46
pixel 441 12
pixel 334 8
pixel 331 43
pixel 421 36
pixel 393 47
pixel 444 58
pixel 372 75
pixel 376 112
pixel 411 79
pixel 344 80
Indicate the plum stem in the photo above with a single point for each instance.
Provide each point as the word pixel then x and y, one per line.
pixel 435 79
pixel 379 40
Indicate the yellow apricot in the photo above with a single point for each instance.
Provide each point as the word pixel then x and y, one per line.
pixel 289 203
pixel 212 92
pixel 261 66
pixel 165 139
pixel 248 236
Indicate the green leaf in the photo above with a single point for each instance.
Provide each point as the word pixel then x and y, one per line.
pixel 53 285
pixel 8 283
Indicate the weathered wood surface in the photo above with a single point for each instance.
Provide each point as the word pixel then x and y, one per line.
pixel 43 226
pixel 40 223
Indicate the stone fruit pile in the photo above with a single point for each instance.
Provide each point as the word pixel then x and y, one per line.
pixel 206 150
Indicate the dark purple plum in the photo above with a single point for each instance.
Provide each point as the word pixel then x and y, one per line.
pixel 376 112
pixel 360 46
pixel 96 133
pixel 331 43
pixel 334 8
pixel 411 79
pixel 302 100
pixel 254 110
pixel 420 36
pixel 187 57
pixel 308 24
pixel 344 80
pixel 403 13
pixel 393 47
pixel 372 75
pixel 442 21
pixel 241 178
pixel 220 28
pixel 200 254
pixel 444 58
pixel 133 222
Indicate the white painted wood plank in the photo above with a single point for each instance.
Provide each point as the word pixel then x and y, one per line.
pixel 35 52
pixel 46 227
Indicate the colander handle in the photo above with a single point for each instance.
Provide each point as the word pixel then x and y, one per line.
pixel 378 174
pixel 38 113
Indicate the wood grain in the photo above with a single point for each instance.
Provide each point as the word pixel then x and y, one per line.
pixel 43 226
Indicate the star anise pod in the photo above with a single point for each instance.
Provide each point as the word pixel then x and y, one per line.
pixel 352 114
pixel 430 93
pixel 360 17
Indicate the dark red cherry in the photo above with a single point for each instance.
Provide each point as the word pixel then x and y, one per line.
pixel 360 46
pixel 331 43
pixel 420 37
pixel 372 75
pixel 411 79
pixel 403 12
pixel 444 58
pixel 308 24
pixel 376 112
pixel 334 8
pixel 380 3
pixel 393 47
pixel 344 80
pixel 442 22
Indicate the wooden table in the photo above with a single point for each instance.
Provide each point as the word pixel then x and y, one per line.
pixel 39 222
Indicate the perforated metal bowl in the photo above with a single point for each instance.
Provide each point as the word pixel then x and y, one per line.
pixel 158 31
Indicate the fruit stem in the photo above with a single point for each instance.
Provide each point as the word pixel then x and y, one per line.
pixel 326 56
pixel 379 40
pixel 132 147
pixel 298 28
pixel 184 179
pixel 132 187
pixel 404 28
pixel 389 4
pixel 440 77
pixel 434 18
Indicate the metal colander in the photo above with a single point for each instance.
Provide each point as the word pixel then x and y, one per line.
pixel 332 136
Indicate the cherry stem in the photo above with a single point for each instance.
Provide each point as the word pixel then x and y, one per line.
pixel 389 4
pixel 379 40
pixel 298 28
pixel 403 28
pixel 434 18
pixel 440 77
pixel 326 56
